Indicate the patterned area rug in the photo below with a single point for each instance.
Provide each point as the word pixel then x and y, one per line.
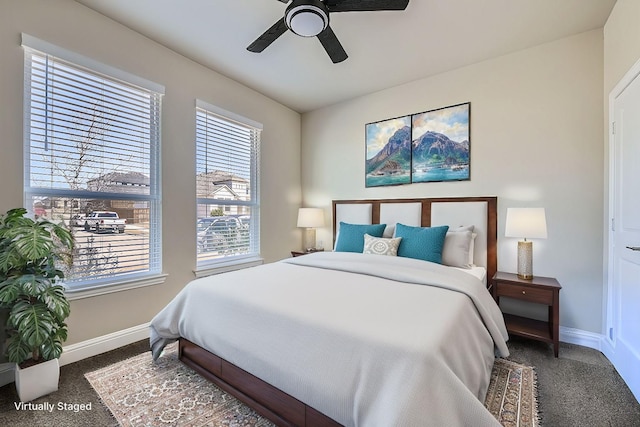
pixel 513 395
pixel 139 392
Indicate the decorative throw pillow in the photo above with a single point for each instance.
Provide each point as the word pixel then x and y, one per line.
pixel 351 236
pixel 472 245
pixel 380 245
pixel 455 252
pixel 423 243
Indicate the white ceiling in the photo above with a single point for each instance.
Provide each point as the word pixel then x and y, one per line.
pixel 385 48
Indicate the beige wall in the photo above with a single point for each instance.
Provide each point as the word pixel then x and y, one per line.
pixel 79 29
pixel 536 140
pixel 621 42
pixel 621 52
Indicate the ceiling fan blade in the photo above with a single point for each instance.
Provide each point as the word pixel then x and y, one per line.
pixel 332 45
pixel 268 37
pixel 365 5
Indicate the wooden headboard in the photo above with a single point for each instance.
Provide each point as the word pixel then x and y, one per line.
pixel 452 211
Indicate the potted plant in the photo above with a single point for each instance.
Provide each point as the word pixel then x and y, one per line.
pixel 32 254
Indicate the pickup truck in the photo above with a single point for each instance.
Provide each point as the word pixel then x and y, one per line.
pixel 104 221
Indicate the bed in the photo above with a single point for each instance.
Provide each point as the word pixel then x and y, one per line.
pixel 343 338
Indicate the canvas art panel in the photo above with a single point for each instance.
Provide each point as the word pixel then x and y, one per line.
pixel 440 144
pixel 388 152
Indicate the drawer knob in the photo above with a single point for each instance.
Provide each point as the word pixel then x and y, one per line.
pixel 524 293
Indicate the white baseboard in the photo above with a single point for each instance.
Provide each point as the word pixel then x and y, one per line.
pixel 580 337
pixel 85 349
pixel 93 347
pixel 607 348
pixel 7 373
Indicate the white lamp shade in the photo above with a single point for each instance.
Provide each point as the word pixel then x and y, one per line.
pixel 528 223
pixel 310 217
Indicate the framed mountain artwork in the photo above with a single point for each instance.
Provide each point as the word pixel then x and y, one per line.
pixel 388 152
pixel 440 144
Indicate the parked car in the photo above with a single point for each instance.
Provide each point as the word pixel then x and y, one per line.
pixel 77 220
pixel 104 221
pixel 244 220
pixel 221 234
pixel 244 230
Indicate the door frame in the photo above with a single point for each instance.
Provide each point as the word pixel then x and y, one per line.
pixel 619 356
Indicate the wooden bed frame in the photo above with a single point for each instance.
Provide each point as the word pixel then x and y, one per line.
pixel 276 405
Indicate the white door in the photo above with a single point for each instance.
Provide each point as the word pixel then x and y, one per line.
pixel 624 236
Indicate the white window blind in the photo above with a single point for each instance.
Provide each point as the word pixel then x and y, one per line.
pixel 228 204
pixel 92 145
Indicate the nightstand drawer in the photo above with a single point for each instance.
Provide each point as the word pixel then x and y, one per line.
pixel 542 296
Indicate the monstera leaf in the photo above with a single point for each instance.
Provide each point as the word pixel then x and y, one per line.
pixel 18 350
pixel 34 322
pixel 52 347
pixel 35 244
pixel 56 301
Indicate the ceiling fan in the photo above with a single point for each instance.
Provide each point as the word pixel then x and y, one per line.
pixel 310 18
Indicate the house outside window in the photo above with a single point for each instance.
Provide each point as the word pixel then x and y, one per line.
pixel 92 146
pixel 227 183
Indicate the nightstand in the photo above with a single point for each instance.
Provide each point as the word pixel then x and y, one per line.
pixel 539 290
pixel 300 253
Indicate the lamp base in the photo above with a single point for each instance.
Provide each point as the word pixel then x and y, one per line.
pixel 309 239
pixel 525 260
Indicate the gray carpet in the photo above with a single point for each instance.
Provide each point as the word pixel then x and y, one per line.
pixel 580 388
pixel 73 389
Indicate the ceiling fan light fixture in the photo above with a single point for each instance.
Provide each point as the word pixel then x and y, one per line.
pixel 310 18
pixel 307 20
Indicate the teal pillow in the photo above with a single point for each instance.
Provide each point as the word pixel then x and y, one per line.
pixel 351 236
pixel 423 243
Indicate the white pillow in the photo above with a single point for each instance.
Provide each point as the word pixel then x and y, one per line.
pixel 472 246
pixel 458 247
pixel 381 246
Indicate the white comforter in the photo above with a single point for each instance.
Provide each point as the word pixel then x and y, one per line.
pixel 368 340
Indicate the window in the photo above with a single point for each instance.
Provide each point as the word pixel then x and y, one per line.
pixel 91 160
pixel 228 206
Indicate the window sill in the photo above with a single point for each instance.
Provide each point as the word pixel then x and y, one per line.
pixel 225 266
pixel 115 286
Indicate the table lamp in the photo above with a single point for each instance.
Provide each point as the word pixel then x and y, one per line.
pixel 310 219
pixel 526 223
